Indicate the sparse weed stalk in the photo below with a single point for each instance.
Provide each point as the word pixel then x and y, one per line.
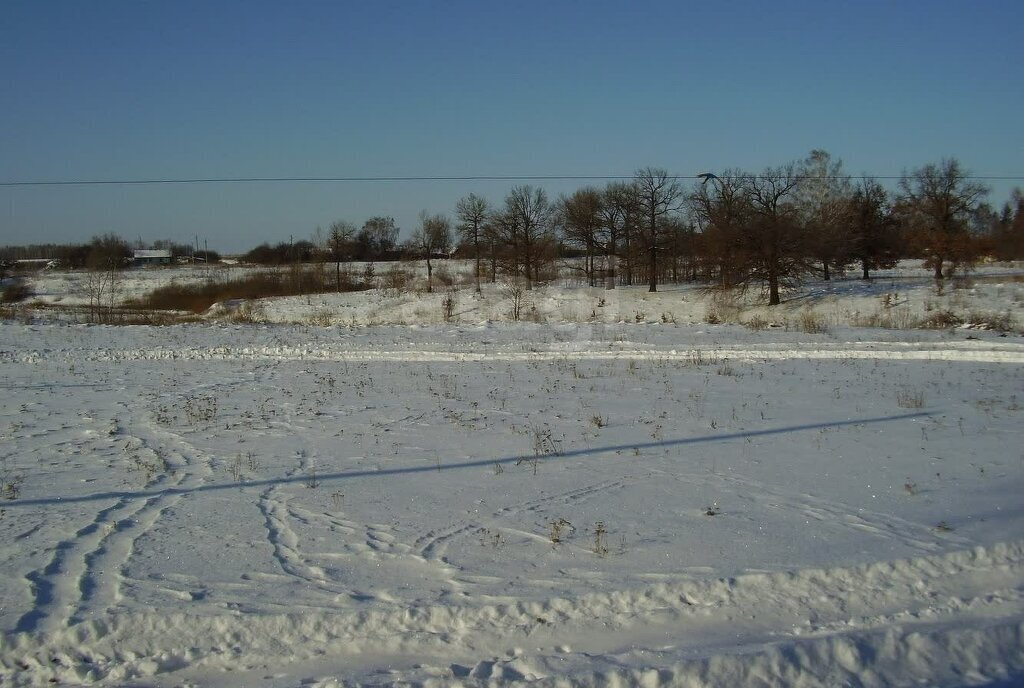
pixel 559 529
pixel 491 538
pixel 600 539
pixel 448 304
pixel 236 468
pixel 311 480
pixel 200 409
pixel 909 398
pixel 598 421
pixel 10 485
pixel 697 357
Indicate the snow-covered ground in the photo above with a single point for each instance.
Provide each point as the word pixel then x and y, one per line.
pixel 596 499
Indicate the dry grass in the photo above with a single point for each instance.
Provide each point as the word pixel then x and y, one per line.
pixel 909 398
pixel 810 322
pixel 940 320
pixel 197 298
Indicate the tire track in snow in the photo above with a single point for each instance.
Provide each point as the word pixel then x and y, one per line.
pixel 86 570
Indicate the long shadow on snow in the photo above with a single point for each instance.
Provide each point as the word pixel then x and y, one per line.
pixel 408 470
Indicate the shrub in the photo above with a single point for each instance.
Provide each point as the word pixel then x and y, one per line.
pixel 811 322
pixel 1000 322
pixel 940 320
pixel 396 278
pixel 199 297
pixel 756 323
pixel 15 292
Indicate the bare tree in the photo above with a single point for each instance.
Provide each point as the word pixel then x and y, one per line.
pixel 472 212
pixel 108 256
pixel 432 236
pixel 524 225
pixel 620 212
pixel 340 243
pixel 659 196
pixel 377 238
pixel 939 200
pixel 871 228
pixel 721 208
pixel 579 216
pixel 775 240
pixel 823 195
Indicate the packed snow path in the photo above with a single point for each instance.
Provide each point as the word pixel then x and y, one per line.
pixel 561 505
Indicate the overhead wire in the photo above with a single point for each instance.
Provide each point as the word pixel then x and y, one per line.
pixel 429 178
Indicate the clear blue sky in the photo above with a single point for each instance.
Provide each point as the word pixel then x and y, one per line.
pixel 134 89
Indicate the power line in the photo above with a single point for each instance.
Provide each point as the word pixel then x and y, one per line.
pixel 427 178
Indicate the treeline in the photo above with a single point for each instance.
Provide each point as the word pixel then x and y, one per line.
pixel 768 230
pixel 377 239
pixel 107 250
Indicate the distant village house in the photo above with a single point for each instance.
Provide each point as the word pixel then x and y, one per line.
pixel 158 256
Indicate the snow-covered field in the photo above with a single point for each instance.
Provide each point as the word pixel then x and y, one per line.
pixel 622 494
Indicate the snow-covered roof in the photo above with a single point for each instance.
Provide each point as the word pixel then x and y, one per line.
pixel 152 253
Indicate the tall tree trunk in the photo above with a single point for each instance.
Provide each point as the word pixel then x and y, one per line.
pixel 476 251
pixel 653 267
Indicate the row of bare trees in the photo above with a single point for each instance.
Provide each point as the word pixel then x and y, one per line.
pixel 768 230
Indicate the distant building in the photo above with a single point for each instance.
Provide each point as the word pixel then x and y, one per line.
pixel 158 256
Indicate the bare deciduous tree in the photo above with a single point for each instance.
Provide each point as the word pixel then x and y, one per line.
pixel 579 216
pixel 433 236
pixel 659 196
pixel 721 207
pixel 472 212
pixel 620 214
pixel 340 244
pixel 938 201
pixel 108 256
pixel 823 195
pixel 524 225
pixel 774 239
pixel 871 228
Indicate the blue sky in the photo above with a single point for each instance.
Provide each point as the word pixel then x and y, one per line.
pixel 136 90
